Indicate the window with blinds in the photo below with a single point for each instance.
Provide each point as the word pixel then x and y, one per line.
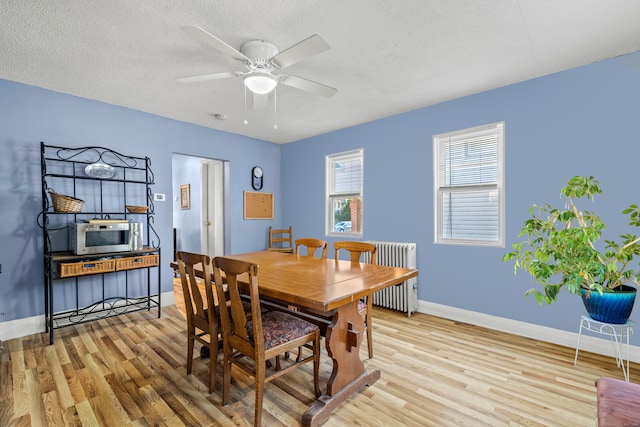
pixel 469 186
pixel 344 192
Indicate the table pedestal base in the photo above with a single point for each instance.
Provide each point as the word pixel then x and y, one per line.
pixel 320 411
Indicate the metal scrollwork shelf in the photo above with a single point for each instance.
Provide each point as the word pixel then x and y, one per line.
pixel 102 185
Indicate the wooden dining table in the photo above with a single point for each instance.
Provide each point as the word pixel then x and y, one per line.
pixel 332 287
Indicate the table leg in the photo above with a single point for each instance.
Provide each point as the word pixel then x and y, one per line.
pixel 343 339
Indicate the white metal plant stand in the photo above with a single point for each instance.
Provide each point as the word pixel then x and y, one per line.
pixel 616 332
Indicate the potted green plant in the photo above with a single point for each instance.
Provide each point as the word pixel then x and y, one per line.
pixel 562 249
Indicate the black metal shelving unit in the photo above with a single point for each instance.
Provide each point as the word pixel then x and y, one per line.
pixel 63 169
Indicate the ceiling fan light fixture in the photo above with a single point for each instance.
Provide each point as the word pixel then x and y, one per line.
pixel 260 83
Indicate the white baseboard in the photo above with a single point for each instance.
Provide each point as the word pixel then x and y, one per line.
pixel 36 324
pixel 556 336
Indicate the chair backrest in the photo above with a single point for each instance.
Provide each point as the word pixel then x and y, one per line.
pixel 195 304
pixel 243 332
pixel 312 246
pixel 280 238
pixel 356 249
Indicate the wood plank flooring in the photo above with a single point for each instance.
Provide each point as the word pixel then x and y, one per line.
pixel 131 371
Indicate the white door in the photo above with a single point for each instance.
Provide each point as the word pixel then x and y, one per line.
pixel 212 227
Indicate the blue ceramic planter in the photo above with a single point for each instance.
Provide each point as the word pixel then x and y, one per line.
pixel 610 307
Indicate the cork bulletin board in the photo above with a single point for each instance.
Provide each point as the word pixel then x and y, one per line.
pixel 258 205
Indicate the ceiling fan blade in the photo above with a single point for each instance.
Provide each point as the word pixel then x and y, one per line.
pixel 307 85
pixel 206 77
pixel 260 101
pixel 304 49
pixel 219 45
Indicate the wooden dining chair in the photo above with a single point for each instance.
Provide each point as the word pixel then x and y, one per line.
pixel 281 240
pixel 365 307
pixel 312 246
pixel 202 317
pixel 260 335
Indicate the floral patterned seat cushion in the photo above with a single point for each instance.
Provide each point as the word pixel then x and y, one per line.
pixel 279 328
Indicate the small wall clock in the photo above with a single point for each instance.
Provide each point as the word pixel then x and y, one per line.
pixel 256 178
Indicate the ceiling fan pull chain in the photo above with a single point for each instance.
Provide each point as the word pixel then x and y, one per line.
pixel 246 122
pixel 275 108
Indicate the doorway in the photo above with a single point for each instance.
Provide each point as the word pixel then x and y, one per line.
pixel 202 224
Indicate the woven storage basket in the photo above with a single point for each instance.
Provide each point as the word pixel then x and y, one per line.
pixel 71 269
pixel 62 203
pixel 136 209
pixel 130 263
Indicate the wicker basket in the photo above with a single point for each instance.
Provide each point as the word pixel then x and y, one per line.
pixel 129 263
pixel 62 203
pixel 136 209
pixel 71 269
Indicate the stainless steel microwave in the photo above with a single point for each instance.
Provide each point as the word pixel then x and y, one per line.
pixel 87 238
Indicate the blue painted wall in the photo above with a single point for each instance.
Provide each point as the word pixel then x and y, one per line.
pixel 29 115
pixel 581 121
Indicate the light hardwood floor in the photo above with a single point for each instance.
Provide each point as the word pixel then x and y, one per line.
pixel 130 370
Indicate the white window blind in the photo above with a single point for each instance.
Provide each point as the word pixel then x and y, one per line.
pixel 347 175
pixel 469 189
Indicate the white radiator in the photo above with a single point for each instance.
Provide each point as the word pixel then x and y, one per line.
pixel 403 297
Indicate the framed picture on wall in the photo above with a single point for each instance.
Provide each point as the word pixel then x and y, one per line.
pixel 185 198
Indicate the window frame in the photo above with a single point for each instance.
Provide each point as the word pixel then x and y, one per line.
pixel 439 140
pixel 331 194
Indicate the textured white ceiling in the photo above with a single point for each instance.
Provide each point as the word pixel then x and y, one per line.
pixel 386 57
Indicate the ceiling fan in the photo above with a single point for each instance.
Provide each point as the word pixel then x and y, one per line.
pixel 261 58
